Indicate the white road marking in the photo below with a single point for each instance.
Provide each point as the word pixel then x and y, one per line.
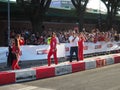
pixel 33 88
pixel 28 88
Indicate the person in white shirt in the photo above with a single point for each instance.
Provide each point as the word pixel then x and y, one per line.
pixel 73 39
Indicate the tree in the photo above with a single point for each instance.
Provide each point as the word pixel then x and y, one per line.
pixel 112 8
pixel 35 10
pixel 80 6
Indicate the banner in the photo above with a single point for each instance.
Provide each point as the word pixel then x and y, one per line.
pixel 33 52
pixel 90 47
pixel 3 54
pixel 40 52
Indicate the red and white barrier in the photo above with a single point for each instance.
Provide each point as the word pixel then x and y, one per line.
pixel 44 72
pixel 63 69
pixel 56 70
pixel 109 60
pixel 116 59
pixel 25 74
pixel 100 62
pixel 78 66
pixel 7 77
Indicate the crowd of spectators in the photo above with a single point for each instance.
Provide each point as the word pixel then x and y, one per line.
pixel 94 36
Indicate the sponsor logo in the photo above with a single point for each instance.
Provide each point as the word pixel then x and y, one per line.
pixel 118 44
pixel 100 63
pixel 41 52
pixel 85 47
pixel 31 77
pixel 109 45
pixel 60 70
pixel 98 46
pixel 25 75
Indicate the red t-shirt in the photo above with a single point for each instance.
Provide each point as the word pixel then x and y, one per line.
pixel 53 43
pixel 21 42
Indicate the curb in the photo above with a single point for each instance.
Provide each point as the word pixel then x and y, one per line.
pixel 14 76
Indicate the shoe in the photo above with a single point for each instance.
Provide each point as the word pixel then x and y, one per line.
pixel 78 60
pixel 48 65
pixel 70 61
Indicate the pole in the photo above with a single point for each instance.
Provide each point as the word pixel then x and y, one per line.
pixel 99 16
pixel 8 22
pixel 8 57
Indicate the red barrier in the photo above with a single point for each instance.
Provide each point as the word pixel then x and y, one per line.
pixel 100 62
pixel 78 66
pixel 116 59
pixel 7 77
pixel 45 72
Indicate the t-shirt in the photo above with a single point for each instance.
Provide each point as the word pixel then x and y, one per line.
pixel 73 43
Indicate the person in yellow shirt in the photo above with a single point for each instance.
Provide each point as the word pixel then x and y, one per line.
pixel 48 40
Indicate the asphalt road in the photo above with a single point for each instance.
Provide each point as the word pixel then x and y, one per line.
pixel 105 78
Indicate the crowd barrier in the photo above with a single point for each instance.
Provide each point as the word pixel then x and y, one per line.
pixel 39 52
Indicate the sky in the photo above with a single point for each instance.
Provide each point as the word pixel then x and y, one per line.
pixel 12 0
pixel 95 4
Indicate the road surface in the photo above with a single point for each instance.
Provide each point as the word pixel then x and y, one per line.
pixel 104 78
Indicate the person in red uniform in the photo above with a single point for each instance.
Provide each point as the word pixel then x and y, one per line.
pixel 53 49
pixel 21 41
pixel 81 46
pixel 16 53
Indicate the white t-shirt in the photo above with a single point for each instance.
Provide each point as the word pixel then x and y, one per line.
pixel 73 43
